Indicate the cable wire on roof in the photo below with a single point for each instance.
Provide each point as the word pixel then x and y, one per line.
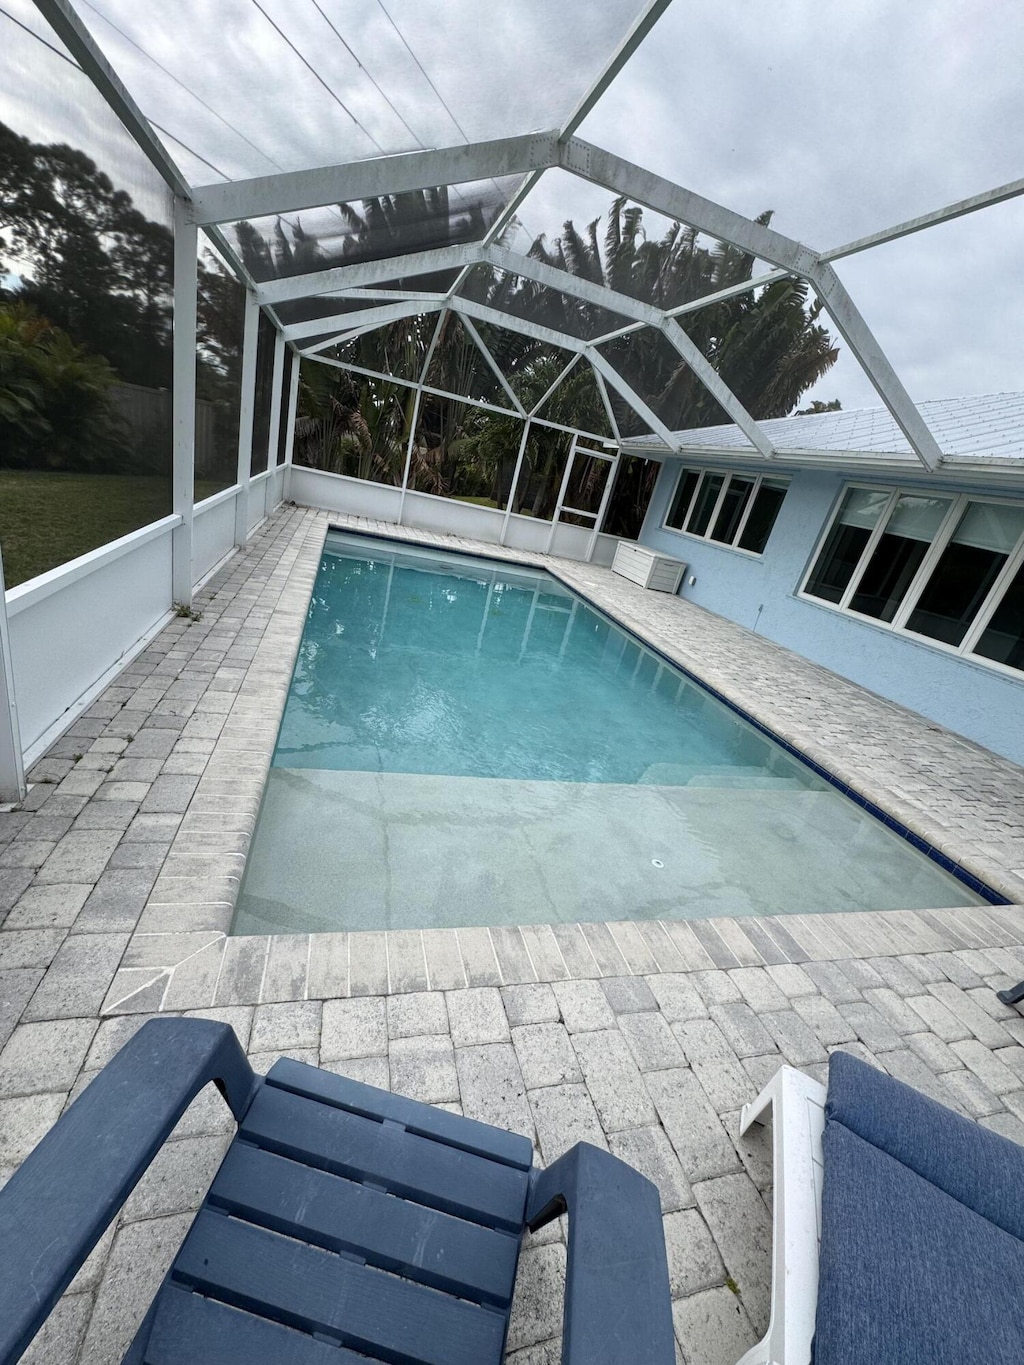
pixel 188 90
pixel 348 48
pixel 65 57
pixel 40 39
pixel 312 69
pixel 402 39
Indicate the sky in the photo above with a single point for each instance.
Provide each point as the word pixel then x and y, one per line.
pixel 842 116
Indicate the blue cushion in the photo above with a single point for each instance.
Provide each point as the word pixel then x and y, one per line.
pixel 977 1167
pixel 907 1274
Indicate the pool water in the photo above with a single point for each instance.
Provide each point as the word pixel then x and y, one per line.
pixel 467 742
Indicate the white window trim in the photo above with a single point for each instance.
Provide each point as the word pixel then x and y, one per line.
pixel 898 625
pixel 707 471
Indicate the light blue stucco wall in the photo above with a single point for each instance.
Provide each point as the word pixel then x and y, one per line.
pixel 760 593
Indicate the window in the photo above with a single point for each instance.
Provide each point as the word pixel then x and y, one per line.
pixel 970 564
pixel 945 567
pixel 731 509
pixel 896 558
pixel 844 547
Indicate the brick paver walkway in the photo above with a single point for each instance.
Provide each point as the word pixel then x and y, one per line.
pixel 118 875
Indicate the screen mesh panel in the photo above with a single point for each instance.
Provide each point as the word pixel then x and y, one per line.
pixel 85 312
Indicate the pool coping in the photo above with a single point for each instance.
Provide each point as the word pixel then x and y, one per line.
pixel 181 955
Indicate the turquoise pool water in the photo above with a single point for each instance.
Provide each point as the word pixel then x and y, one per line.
pixel 467 742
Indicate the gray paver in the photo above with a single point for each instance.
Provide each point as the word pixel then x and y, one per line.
pixel 530 1004
pixel 628 994
pixel 138 1260
pixel 353 1028
pixel 284 1026
pixel 423 1068
pixel 795 1040
pixel 78 978
pixel 546 1055
pixel 714 1064
pixel 583 1005
pixel 694 1261
pixel 419 1012
pixel 614 1080
pixel 712 1327
pixel 678 998
pixel 692 1125
pixel 745 1034
pixel 477 1015
pixel 650 1152
pixel 651 1041
pixel 45 1056
pixel 742 1229
pixel 565 1115
pixel 493 1088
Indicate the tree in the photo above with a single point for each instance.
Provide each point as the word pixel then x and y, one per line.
pixel 88 260
pixel 768 345
pixel 55 399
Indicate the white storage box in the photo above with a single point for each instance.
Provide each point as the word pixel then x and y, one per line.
pixel 642 565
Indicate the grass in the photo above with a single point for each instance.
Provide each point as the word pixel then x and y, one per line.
pixel 48 518
pixel 488 502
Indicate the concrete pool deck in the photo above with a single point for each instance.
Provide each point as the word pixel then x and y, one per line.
pixel 118 878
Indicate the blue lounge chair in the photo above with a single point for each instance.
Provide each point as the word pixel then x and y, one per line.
pixel 346 1225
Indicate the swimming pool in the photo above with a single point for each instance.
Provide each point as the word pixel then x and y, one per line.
pixel 467 742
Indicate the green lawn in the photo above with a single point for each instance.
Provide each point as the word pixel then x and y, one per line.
pixel 47 519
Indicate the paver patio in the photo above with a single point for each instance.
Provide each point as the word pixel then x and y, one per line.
pixel 118 877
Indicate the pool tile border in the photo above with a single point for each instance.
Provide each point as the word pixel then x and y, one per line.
pixel 181 957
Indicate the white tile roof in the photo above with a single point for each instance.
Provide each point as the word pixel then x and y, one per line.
pixel 980 426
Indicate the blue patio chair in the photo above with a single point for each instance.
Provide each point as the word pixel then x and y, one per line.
pixel 345 1225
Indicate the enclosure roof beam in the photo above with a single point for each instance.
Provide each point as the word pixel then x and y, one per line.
pixel 884 379
pixel 367 273
pixel 61 16
pixel 663 196
pixel 999 195
pixel 341 323
pixel 717 387
pixel 290 191
pixel 634 400
pixel 599 294
pixel 641 27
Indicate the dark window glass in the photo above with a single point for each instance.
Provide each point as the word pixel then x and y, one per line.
pixel 1003 638
pixel 762 517
pixel 681 501
pixel 286 389
pixel 734 504
pixel 707 496
pixel 969 566
pixel 264 395
pixel 846 541
pixel 897 557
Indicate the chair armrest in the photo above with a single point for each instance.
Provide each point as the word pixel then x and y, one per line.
pixel 618 1308
pixel 56 1206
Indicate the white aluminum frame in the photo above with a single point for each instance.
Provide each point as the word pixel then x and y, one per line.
pixel 183 398
pixel 246 418
pixel 12 765
pixel 527 156
pixel 958 501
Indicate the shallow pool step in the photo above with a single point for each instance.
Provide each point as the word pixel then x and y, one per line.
pixel 724 775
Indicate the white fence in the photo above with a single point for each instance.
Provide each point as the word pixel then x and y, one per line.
pixel 72 629
pixel 447 516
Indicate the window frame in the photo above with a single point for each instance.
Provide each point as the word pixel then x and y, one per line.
pixel 958 503
pixel 756 478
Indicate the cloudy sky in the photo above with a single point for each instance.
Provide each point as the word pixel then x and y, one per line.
pixel 843 116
